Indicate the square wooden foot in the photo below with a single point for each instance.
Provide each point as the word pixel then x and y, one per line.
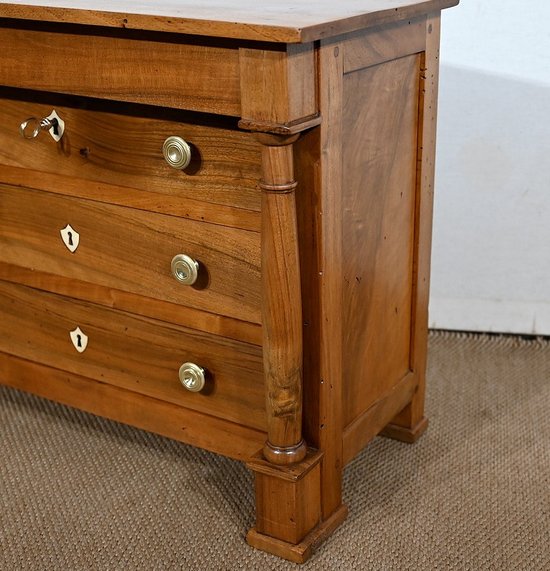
pixel 302 551
pixel 409 435
pixel 288 508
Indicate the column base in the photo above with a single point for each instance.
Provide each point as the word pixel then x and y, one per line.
pixel 301 552
pixel 404 434
pixel 289 519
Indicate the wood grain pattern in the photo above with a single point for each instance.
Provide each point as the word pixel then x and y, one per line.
pixel 133 303
pixel 281 305
pixel 132 408
pixel 133 198
pixel 296 127
pixel 281 21
pixel 170 74
pixel 313 232
pixel 371 422
pixel 131 250
pixel 134 353
pixel 379 208
pixel 307 161
pixel 112 144
pixel 412 418
pixel 277 86
pixel 301 552
pixel 330 256
pixel 377 45
pixel 292 519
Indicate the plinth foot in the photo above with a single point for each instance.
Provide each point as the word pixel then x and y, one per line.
pixel 301 552
pixel 403 434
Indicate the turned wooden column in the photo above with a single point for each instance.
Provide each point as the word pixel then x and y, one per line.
pixel 281 303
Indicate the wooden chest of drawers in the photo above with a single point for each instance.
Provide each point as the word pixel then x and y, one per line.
pixel 223 233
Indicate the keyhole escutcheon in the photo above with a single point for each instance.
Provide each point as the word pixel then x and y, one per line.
pixel 70 237
pixel 79 339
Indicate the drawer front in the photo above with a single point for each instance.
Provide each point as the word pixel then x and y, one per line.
pixel 131 250
pixel 124 149
pixel 125 65
pixel 134 353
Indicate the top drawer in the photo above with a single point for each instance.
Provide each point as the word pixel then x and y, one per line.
pixel 119 148
pixel 161 69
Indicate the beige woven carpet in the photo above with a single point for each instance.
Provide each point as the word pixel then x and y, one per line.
pixel 81 493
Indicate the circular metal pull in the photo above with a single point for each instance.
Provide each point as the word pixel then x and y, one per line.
pixel 177 152
pixel 185 269
pixel 192 377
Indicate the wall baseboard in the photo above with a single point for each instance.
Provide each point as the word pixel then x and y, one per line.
pixel 490 315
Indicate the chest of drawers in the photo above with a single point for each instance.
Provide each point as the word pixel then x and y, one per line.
pixel 215 224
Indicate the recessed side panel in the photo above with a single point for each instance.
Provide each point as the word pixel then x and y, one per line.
pixel 379 159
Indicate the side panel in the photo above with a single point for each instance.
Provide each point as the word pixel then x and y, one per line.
pixel 379 154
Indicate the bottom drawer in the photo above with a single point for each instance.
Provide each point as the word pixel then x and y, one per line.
pixel 133 352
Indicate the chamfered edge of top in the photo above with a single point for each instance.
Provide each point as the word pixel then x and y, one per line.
pixel 151 17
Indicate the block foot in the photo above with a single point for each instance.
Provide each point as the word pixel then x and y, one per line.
pixel 404 434
pixel 301 552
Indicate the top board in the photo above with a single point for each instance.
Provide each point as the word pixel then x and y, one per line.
pixel 286 21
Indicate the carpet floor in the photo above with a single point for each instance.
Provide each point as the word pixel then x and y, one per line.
pixel 81 493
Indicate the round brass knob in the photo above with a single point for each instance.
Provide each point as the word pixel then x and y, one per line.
pixel 176 152
pixel 192 377
pixel 185 269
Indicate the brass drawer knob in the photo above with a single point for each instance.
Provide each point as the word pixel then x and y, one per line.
pixel 192 377
pixel 185 269
pixel 177 152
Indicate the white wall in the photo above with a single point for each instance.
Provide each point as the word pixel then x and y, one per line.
pixel 491 249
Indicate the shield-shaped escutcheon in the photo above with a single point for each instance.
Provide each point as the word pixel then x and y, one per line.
pixel 79 339
pixel 70 237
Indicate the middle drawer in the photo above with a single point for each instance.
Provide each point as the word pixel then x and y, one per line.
pixel 131 250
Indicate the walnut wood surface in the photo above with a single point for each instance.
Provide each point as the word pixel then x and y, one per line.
pixel 379 44
pixel 281 306
pixel 121 145
pixel 133 198
pixel 330 259
pixel 132 408
pixel 131 250
pixel 277 87
pixel 315 232
pixel 125 301
pixel 372 422
pixel 412 417
pixel 408 434
pixel 265 20
pixel 290 520
pixel 300 552
pixel 379 213
pixel 184 76
pixel 134 353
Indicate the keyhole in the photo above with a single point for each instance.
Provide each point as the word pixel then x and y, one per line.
pixel 79 340
pixel 70 238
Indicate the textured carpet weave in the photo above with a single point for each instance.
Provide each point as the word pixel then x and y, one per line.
pixel 81 493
